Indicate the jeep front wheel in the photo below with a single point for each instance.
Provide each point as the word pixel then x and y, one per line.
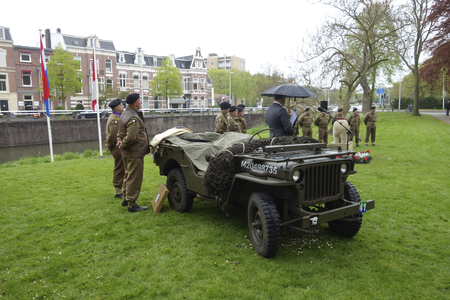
pixel 263 224
pixel 351 225
pixel 179 198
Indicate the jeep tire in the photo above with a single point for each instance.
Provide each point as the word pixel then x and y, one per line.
pixel 348 226
pixel 179 198
pixel 263 224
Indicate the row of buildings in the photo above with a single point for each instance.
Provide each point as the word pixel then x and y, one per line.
pixel 120 70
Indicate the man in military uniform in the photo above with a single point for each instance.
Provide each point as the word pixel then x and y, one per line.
pixel 338 116
pixel 112 127
pixel 305 121
pixel 241 113
pixel 222 125
pixel 322 121
pixel 371 128
pixel 278 119
pixel 233 122
pixel 133 140
pixel 354 121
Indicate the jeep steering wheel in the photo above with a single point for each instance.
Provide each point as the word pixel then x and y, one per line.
pixel 257 133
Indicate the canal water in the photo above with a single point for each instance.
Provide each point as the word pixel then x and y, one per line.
pixel 15 153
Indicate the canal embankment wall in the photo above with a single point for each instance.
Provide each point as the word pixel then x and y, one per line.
pixel 32 132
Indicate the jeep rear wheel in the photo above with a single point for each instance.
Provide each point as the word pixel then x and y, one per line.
pixel 263 224
pixel 179 198
pixel 351 225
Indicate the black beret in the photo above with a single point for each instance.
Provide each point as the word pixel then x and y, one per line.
pixel 233 108
pixel 354 108
pixel 224 105
pixel 307 109
pixel 131 98
pixel 340 109
pixel 241 105
pixel 114 103
pixel 373 107
pixel 240 108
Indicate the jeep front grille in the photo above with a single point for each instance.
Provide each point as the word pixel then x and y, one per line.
pixel 322 183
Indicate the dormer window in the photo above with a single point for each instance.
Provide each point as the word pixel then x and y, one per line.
pixel 155 62
pixel 25 56
pixel 121 58
pixel 2 33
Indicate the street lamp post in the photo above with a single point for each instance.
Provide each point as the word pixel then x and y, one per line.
pixel 231 100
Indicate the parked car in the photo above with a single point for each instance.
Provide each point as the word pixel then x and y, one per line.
pixel 90 114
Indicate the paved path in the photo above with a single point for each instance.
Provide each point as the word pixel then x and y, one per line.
pixel 438 114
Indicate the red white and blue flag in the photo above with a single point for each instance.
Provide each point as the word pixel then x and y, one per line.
pixel 94 83
pixel 45 83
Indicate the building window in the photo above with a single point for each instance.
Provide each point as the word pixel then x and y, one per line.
pixel 79 59
pixel 145 102
pixel 2 58
pixel 109 83
pixel 3 83
pixel 195 83
pixel 108 65
pixel 121 58
pixel 212 63
pixel 242 64
pixel 90 65
pixel 2 33
pixel 144 81
pixel 25 56
pixel 47 57
pixel 80 90
pixel 221 64
pixel 202 102
pixel 123 80
pixel 26 78
pixel 28 102
pixel 136 81
pixel 155 62
pixel 202 84
pixel 185 84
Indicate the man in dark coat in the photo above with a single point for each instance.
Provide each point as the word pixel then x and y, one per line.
pixel 447 107
pixel 133 140
pixel 278 119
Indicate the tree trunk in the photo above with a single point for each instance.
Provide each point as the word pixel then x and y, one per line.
pixel 416 112
pixel 367 91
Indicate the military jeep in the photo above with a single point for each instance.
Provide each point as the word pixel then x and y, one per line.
pixel 291 187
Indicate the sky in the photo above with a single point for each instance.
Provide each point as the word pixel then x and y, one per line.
pixel 261 32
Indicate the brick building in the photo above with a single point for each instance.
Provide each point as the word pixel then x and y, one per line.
pixel 8 94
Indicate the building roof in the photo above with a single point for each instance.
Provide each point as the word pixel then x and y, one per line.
pixel 82 42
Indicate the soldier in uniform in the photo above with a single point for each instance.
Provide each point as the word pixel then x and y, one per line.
pixel 338 116
pixel 242 118
pixel 133 140
pixel 371 128
pixel 233 122
pixel 354 121
pixel 222 125
pixel 322 121
pixel 305 121
pixel 112 127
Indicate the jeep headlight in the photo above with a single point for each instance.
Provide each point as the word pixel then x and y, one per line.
pixel 344 168
pixel 297 176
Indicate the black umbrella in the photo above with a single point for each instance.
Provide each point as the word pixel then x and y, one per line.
pixel 290 91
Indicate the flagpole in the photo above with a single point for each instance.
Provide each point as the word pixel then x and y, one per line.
pixel 97 104
pixel 46 95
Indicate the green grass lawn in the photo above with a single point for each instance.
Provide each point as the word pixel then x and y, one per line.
pixel 63 234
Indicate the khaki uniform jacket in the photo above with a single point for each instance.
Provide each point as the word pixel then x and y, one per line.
pixel 370 117
pixel 322 121
pixel 243 124
pixel 305 120
pixel 222 125
pixel 337 116
pixel 234 124
pixel 112 127
pixel 133 134
pixel 354 120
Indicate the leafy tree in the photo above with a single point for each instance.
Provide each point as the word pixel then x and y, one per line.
pixel 167 81
pixel 220 79
pixel 64 74
pixel 435 67
pixel 107 94
pixel 414 30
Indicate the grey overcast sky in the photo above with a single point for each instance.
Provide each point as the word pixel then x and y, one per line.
pixel 261 32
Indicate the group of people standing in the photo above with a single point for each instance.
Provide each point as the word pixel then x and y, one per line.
pixel 127 140
pixel 231 118
pixel 278 119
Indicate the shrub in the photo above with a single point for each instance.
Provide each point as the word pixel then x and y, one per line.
pixel 79 107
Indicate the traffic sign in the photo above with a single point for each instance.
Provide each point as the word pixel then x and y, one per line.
pixel 380 91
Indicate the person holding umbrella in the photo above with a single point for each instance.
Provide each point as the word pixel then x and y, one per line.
pixel 278 119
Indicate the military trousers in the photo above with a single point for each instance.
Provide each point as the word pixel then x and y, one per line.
pixel 323 135
pixel 119 169
pixel 307 131
pixel 132 182
pixel 355 130
pixel 371 130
